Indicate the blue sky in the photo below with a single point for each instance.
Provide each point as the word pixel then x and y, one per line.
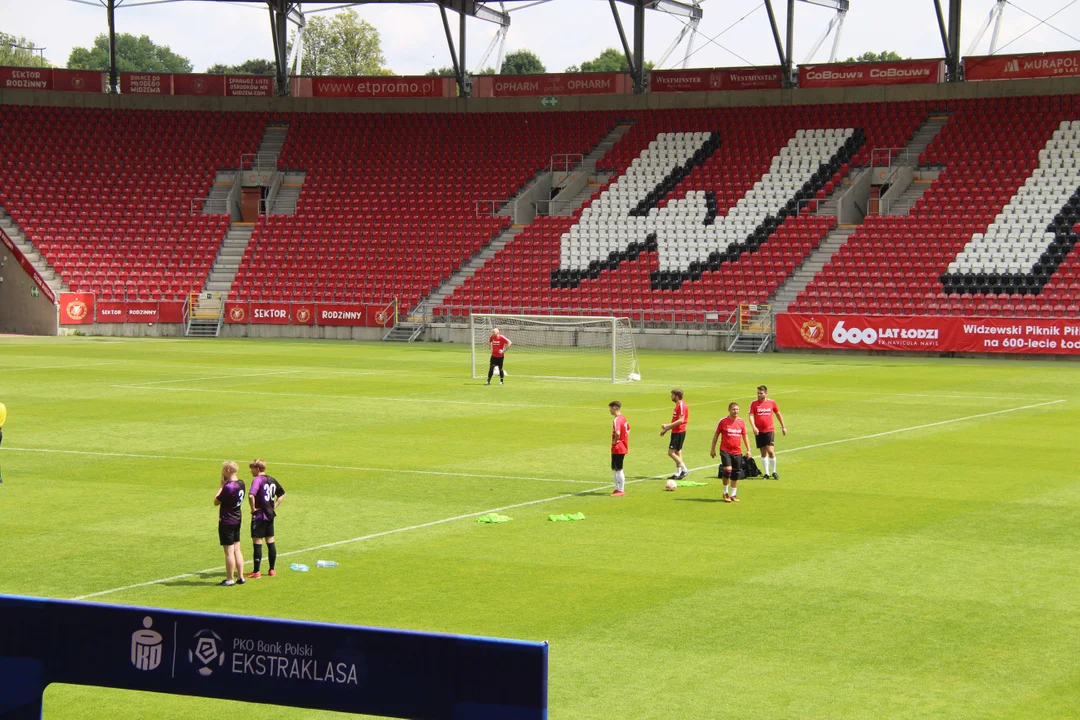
pixel 561 32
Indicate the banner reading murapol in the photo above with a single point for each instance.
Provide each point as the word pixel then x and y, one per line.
pixel 1016 67
pixel 929 333
pixel 905 72
pixel 358 670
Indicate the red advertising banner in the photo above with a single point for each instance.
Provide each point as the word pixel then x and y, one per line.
pixel 766 78
pixel 904 72
pixel 27 266
pixel 377 87
pixel 561 84
pixel 171 311
pixel 143 312
pixel 145 84
pixel 198 85
pixel 237 313
pixel 76 308
pixel 249 86
pixel 302 314
pixel 352 315
pixel 26 78
pixel 111 312
pixel 78 81
pixel 1014 67
pixel 929 333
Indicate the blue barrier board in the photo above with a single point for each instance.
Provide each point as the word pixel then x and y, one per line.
pixel 371 671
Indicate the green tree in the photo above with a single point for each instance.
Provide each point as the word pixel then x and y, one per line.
pixel 886 56
pixel 20 52
pixel 133 54
pixel 255 66
pixel 449 72
pixel 342 44
pixel 610 60
pixel 522 62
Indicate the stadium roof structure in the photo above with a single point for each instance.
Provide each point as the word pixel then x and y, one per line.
pixel 282 12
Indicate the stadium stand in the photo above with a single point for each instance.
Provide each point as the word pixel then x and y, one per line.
pixel 105 194
pixel 752 141
pixel 1008 192
pixel 388 209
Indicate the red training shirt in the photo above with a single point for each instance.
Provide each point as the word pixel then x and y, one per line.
pixel 762 412
pixel 731 433
pixel 680 409
pixel 498 345
pixel 621 428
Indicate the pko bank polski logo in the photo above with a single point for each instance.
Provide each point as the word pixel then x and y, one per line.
pixel 207 652
pixel 146 646
pixel 854 336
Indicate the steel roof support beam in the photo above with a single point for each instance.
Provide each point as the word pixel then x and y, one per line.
pixel 671 7
pixel 955 72
pixel 622 37
pixel 776 39
pixel 463 81
pixel 639 46
pixel 790 45
pixel 450 43
pixel 279 32
pixel 114 76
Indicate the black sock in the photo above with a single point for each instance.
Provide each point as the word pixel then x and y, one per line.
pixel 271 549
pixel 491 371
pixel 258 556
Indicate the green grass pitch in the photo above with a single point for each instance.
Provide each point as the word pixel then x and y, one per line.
pixel 919 557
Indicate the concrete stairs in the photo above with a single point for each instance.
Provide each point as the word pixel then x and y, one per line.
pixel 229 257
pixel 407 331
pixel 217 201
pixel 471 267
pixel 27 248
pixel 273 139
pixel 829 205
pixel 924 136
pixel 588 165
pixel 902 204
pixel 810 267
pixel 288 193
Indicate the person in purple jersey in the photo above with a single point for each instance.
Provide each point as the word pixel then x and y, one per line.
pixel 230 502
pixel 265 497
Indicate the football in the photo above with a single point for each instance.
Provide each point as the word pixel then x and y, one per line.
pixel 670 485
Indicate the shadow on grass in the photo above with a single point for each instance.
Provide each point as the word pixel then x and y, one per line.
pixel 701 500
pixel 204 580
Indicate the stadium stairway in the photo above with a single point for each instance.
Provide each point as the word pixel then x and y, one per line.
pixel 466 271
pixel 27 248
pixel 810 267
pixel 229 257
pixel 217 200
pixel 288 194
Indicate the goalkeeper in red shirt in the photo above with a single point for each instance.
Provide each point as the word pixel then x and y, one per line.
pixel 499 345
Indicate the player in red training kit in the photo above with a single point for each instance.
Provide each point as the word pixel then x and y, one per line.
pixel 679 417
pixel 761 421
pixel 499 345
pixel 620 445
pixel 733 430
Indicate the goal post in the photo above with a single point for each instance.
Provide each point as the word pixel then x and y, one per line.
pixel 558 347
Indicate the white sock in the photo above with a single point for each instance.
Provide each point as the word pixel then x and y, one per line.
pixel 682 466
pixel 622 480
pixel 726 490
pixel 773 465
pixel 615 474
pixel 767 461
pixel 733 491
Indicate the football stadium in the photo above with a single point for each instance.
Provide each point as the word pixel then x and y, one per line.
pixel 648 389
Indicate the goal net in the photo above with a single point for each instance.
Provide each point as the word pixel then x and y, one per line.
pixel 585 348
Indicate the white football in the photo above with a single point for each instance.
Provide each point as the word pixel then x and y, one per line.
pixel 670 485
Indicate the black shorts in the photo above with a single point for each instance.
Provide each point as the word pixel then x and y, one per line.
pixel 763 439
pixel 262 528
pixel 496 361
pixel 677 440
pixel 228 534
pixel 617 460
pixel 732 461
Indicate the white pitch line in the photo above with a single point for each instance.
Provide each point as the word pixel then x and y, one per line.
pixel 561 496
pixel 355 468
pixel 55 367
pixel 215 377
pixel 921 395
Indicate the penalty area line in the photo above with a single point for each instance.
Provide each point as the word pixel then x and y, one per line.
pixel 561 496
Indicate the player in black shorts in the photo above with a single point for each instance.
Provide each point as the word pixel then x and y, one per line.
pixel 266 495
pixel 680 416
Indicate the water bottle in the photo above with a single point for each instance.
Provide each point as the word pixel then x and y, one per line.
pixel 326 564
pixel 298 567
